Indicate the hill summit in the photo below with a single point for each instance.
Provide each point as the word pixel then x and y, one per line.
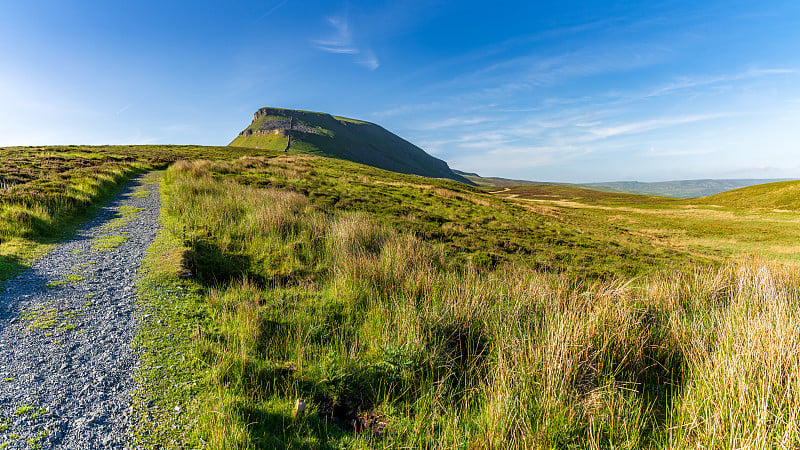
pixel 316 133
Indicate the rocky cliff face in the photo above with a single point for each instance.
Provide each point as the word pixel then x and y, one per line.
pixel 287 125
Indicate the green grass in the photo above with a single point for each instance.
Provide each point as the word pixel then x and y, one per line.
pixel 771 196
pixel 745 221
pixel 31 414
pixel 587 196
pixel 171 311
pixel 50 319
pixel 140 194
pixel 306 286
pixel 47 192
pixel 474 226
pixel 110 242
pixel 348 120
pixel 419 313
pixel 276 142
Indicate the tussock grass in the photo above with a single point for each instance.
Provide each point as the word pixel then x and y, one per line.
pixel 390 344
pixel 474 227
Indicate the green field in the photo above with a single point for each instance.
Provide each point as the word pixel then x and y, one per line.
pixel 759 221
pixel 410 312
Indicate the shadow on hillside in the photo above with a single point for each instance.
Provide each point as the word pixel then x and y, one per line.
pixel 655 369
pixel 215 266
pixel 270 429
pixel 271 425
pixel 663 378
pixel 9 267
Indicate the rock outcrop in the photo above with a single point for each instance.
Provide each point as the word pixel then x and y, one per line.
pixel 287 125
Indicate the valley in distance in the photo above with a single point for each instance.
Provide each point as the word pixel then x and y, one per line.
pixel 324 283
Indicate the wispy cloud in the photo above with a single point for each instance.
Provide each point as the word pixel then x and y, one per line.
pixel 653 124
pixel 342 41
pixel 522 158
pixel 705 81
pixel 653 153
pixel 408 108
pixel 576 103
pixel 124 108
pixel 273 9
pixel 480 55
pixel 503 76
pixel 369 60
pixel 455 122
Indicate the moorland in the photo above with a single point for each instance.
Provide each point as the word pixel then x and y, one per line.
pixel 417 312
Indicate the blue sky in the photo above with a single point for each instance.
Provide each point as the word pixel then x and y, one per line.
pixel 577 91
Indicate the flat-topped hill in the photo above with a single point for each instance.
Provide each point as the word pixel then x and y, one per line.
pixel 316 133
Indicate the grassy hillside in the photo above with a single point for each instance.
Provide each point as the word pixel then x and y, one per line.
pixel 471 225
pixel 760 220
pixel 674 189
pixel 680 188
pixel 489 182
pixel 410 312
pixel 339 137
pixel 393 338
pixel 772 196
pixel 589 196
pixel 497 181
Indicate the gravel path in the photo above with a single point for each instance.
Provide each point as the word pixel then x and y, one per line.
pixel 66 324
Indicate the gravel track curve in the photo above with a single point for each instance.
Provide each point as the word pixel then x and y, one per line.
pixel 66 326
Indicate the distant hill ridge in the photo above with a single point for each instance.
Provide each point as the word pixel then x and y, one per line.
pixel 675 189
pixel 317 133
pixel 683 188
pixel 784 195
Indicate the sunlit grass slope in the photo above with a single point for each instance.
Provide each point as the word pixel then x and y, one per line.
pixel 554 192
pixel 46 191
pixel 758 220
pixel 472 226
pixel 327 289
pixel 276 142
pixel 781 196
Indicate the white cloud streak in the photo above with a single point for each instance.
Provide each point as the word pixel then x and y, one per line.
pixel 272 10
pixel 343 42
pixel 695 82
pixel 653 124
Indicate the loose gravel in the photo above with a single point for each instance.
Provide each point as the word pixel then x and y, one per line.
pixel 66 325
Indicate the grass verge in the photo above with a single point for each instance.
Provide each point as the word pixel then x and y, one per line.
pixel 170 311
